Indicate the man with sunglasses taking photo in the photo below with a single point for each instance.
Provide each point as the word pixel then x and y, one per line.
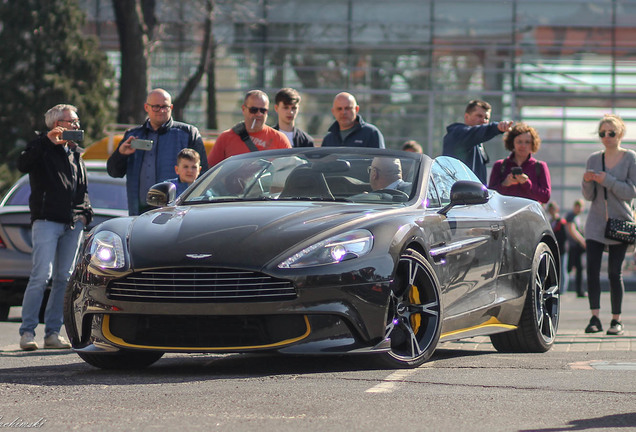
pixel 147 165
pixel 252 134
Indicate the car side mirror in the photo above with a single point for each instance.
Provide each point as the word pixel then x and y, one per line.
pixel 465 192
pixel 161 194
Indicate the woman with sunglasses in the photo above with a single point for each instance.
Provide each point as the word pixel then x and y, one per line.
pixel 610 184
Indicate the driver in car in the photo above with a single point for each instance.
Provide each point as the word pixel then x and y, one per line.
pixel 386 173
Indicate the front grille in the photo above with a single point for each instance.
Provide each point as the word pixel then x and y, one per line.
pixel 200 285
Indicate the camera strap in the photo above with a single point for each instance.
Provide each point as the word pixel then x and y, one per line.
pixel 604 188
pixel 241 131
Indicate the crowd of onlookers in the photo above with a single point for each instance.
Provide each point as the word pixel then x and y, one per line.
pixel 161 147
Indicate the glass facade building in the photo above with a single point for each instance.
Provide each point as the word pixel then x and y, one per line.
pixel 414 64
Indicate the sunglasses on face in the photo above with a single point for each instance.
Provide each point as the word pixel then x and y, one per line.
pixel 254 110
pixel 610 134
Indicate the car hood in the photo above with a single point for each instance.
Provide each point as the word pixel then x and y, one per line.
pixel 244 235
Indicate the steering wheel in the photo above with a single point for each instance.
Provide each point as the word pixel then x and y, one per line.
pixel 396 195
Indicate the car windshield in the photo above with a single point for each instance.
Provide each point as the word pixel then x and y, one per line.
pixel 310 176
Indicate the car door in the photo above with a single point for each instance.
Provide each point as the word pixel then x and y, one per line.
pixel 470 250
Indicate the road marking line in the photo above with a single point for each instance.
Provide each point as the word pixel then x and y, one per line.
pixel 582 365
pixel 603 365
pixel 389 384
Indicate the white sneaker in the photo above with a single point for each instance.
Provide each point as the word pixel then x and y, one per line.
pixel 27 342
pixel 55 341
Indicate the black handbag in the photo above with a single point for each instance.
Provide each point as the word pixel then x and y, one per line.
pixel 618 229
pixel 621 230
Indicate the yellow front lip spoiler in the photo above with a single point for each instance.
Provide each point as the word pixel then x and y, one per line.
pixel 120 342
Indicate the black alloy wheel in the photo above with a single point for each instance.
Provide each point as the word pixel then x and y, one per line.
pixel 415 313
pixel 540 317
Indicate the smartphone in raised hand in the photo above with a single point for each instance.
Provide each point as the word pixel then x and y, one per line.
pixel 141 144
pixel 73 135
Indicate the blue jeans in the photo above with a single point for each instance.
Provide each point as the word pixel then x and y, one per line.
pixel 55 247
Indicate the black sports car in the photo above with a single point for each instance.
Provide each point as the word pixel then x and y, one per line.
pixel 318 251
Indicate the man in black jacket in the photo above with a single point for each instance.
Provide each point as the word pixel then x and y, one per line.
pixel 60 209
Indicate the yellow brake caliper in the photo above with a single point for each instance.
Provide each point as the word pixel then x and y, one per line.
pixel 414 298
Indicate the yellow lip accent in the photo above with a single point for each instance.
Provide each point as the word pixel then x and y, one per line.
pixel 119 341
pixel 492 322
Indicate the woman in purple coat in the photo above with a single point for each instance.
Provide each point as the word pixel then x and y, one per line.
pixel 520 174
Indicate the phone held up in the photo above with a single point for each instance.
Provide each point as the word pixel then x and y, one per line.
pixel 141 144
pixel 516 171
pixel 73 135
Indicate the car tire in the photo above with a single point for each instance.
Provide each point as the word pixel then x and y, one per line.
pixel 4 311
pixel 45 300
pixel 69 317
pixel 537 327
pixel 122 359
pixel 415 313
pixel 118 360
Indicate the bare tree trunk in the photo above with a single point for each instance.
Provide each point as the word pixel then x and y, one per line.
pixel 206 52
pixel 211 114
pixel 135 58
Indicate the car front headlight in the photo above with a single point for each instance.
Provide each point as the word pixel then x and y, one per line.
pixel 107 251
pixel 336 249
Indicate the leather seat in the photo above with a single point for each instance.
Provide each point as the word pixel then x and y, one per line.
pixel 306 182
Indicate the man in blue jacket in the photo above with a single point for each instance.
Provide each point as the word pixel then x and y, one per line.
pixel 144 168
pixel 463 141
pixel 349 129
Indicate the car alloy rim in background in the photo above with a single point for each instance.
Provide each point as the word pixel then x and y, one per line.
pixel 547 297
